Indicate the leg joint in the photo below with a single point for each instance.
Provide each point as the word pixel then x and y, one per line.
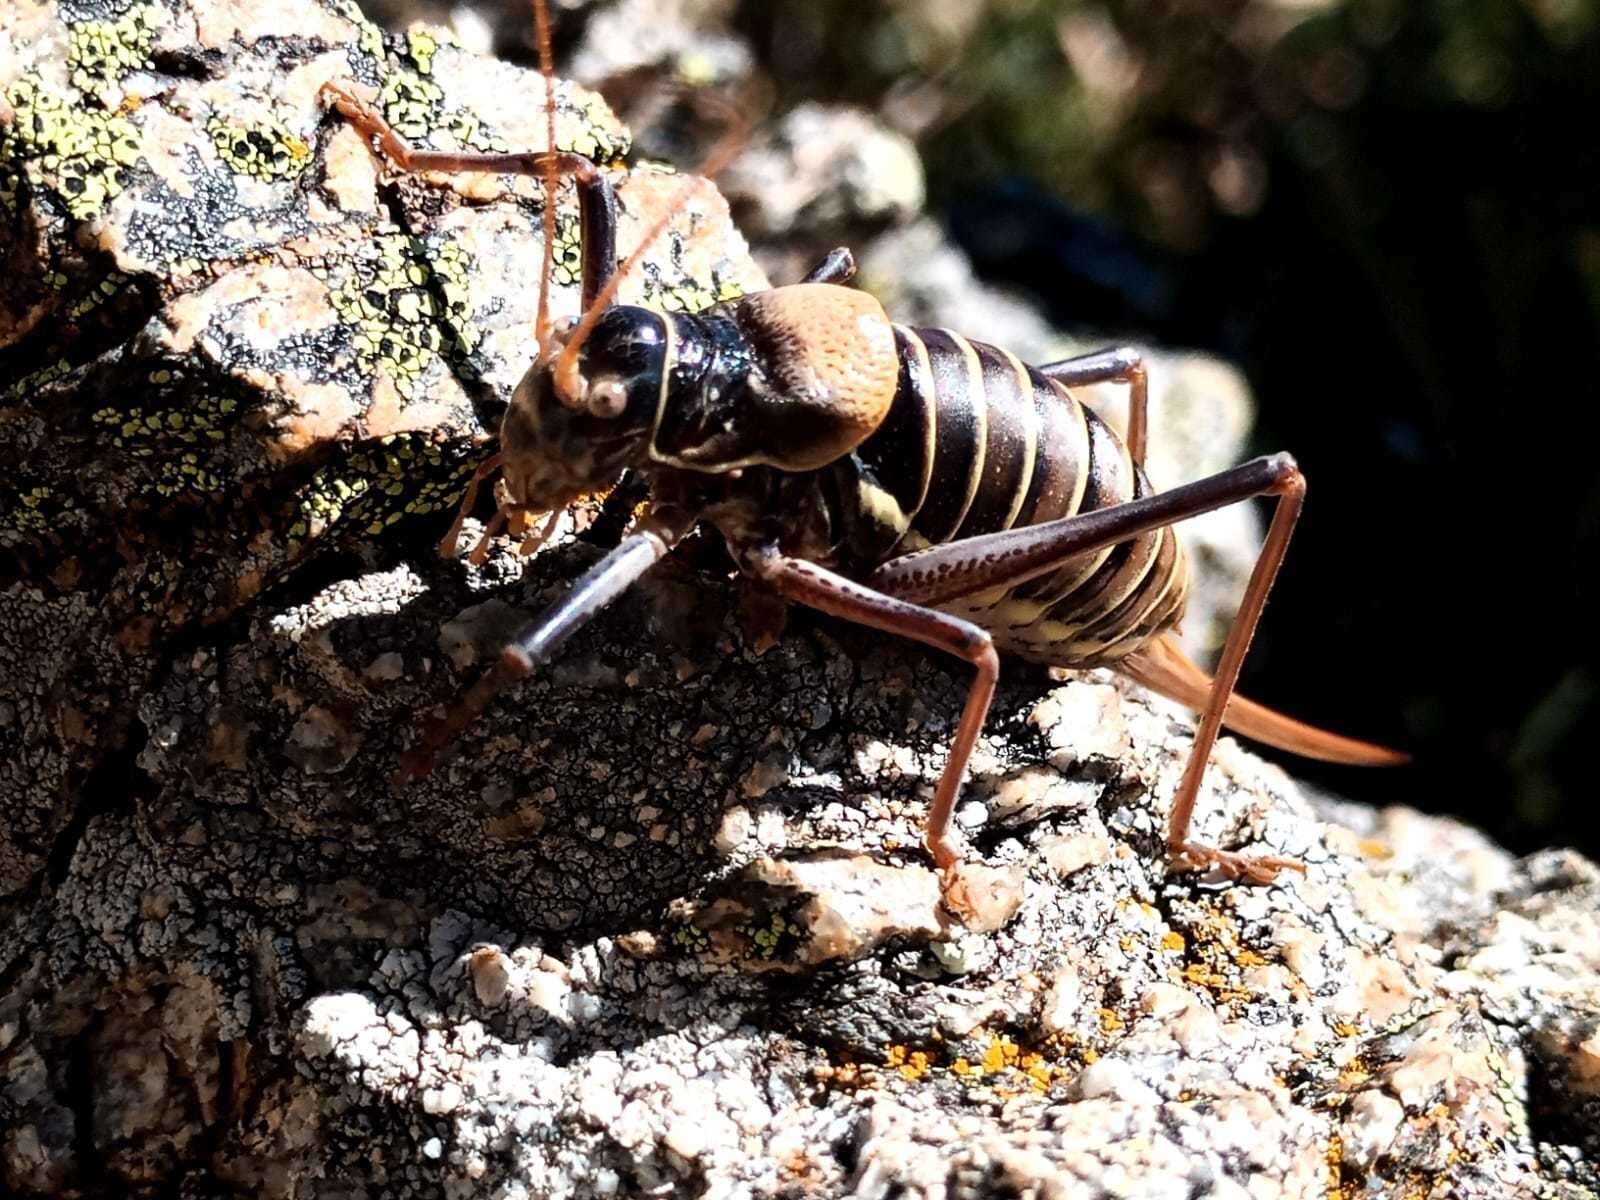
pixel 515 662
pixel 762 561
pixel 1130 359
pixel 980 650
pixel 1286 475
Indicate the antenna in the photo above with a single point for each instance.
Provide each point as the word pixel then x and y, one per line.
pixel 547 68
pixel 726 149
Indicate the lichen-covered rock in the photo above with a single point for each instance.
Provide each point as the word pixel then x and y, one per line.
pixel 685 40
pixel 661 925
pixel 232 341
pixel 589 959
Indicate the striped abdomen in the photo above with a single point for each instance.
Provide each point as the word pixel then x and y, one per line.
pixel 976 442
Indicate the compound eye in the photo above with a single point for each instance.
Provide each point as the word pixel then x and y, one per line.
pixel 606 398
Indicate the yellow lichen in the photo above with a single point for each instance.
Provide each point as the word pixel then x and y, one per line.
pixel 566 262
pixel 402 476
pixel 911 1064
pixel 101 52
pixel 1005 1066
pixel 847 1075
pixel 36 380
pixel 407 304
pixel 80 153
pixel 1216 959
pixel 107 287
pixel 683 293
pixel 1334 1157
pixel 1041 1073
pixel 690 939
pixel 775 937
pixel 423 44
pixel 264 149
pixel 33 510
pixel 415 105
pixel 1353 1077
pixel 1002 1053
pixel 411 104
pixel 176 441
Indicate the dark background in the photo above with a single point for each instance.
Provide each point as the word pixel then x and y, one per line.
pixel 1388 215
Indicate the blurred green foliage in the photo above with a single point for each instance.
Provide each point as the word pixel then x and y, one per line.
pixel 1165 112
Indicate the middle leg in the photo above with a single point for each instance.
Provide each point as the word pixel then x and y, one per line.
pixel 1121 365
pixel 819 588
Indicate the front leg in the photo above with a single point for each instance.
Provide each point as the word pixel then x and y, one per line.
pixel 655 534
pixel 838 267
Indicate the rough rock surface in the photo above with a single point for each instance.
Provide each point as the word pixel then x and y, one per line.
pixel 661 926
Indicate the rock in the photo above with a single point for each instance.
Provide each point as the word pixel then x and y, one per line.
pixel 833 171
pixel 687 41
pixel 662 924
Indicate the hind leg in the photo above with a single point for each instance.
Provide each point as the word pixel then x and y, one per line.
pixel 940 574
pixel 1290 491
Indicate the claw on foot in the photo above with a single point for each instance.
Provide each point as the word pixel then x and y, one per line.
pixel 982 898
pixel 419 761
pixel 1257 868
pixel 415 764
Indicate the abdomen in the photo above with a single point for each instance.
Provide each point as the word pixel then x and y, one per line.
pixel 977 442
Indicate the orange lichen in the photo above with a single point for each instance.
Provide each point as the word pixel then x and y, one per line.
pixel 1002 1053
pixel 1353 1077
pixel 1216 959
pixel 1040 1073
pixel 1334 1157
pixel 1005 1068
pixel 911 1064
